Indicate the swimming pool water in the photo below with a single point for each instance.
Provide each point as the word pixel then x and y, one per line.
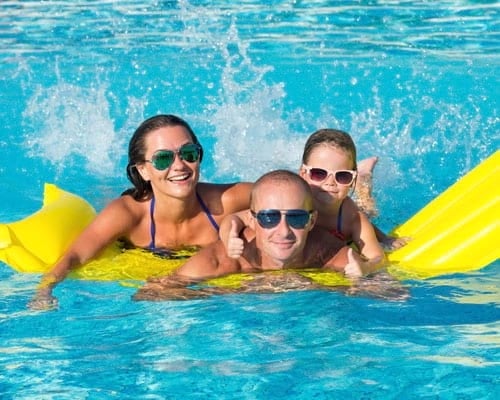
pixel 415 83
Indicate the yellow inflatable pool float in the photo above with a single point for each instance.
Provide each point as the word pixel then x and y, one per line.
pixel 456 232
pixel 35 243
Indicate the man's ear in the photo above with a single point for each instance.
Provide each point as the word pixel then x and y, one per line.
pixel 251 220
pixel 314 218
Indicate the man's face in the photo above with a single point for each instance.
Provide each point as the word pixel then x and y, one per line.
pixel 282 245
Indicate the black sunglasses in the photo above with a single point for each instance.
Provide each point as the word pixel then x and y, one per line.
pixel 163 159
pixel 268 219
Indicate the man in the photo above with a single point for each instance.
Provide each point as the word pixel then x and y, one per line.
pixel 281 235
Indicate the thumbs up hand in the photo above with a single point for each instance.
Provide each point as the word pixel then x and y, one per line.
pixel 353 268
pixel 234 245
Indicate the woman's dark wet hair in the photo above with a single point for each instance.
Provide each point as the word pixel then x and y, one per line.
pixel 332 137
pixel 137 152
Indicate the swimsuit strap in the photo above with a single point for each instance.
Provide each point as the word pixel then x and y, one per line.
pixel 152 245
pixel 207 212
pixel 339 218
pixel 166 253
pixel 338 230
pixel 152 228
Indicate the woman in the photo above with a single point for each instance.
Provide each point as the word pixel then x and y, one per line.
pixel 166 209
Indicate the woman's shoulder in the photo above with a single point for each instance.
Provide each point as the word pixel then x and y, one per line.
pixel 220 188
pixel 237 194
pixel 126 206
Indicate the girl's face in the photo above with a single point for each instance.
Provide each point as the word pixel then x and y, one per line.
pixel 331 159
pixel 180 178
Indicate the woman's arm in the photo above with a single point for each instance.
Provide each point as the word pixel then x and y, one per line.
pixel 113 222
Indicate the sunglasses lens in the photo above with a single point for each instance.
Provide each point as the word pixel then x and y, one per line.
pixel 163 159
pixel 297 219
pixel 268 218
pixel 344 177
pixel 190 152
pixel 318 174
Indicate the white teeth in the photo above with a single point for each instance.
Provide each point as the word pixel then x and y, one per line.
pixel 179 177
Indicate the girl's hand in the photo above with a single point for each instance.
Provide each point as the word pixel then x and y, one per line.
pixel 392 243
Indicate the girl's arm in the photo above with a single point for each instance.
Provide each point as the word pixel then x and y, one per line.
pixel 365 239
pixel 390 242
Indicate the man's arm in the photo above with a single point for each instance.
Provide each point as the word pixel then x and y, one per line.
pixel 209 262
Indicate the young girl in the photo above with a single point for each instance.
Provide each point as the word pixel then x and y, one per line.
pixel 329 166
pixel 329 159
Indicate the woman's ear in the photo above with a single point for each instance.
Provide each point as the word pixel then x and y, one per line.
pixel 143 171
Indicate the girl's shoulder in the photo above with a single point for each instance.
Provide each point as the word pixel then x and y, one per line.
pixel 351 217
pixel 349 208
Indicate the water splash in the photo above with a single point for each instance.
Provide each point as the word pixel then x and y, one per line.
pixel 256 120
pixel 68 125
pixel 250 127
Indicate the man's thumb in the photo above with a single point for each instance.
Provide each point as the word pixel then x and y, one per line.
pixel 350 256
pixel 234 229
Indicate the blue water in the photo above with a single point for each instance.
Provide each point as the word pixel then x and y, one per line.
pixel 415 83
